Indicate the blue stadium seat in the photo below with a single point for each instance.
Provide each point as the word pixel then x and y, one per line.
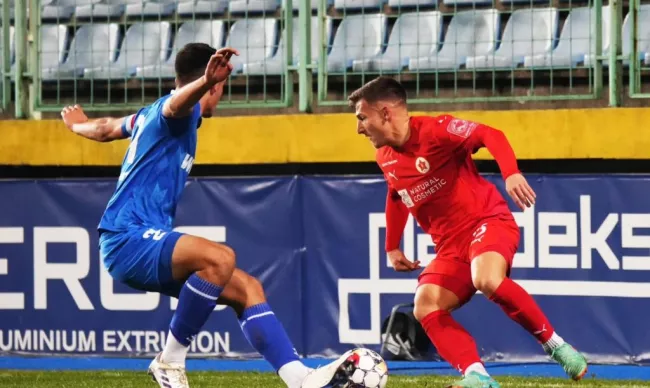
pixel 276 64
pixel 255 39
pixel 144 44
pixel 577 39
pixel 470 34
pixel 92 45
pixel 202 7
pixel 414 35
pixel 358 37
pixel 204 31
pixel 528 32
pixel 252 6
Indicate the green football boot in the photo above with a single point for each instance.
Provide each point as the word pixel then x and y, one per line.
pixel 475 380
pixel 573 363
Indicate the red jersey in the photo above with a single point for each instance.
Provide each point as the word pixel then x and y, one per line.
pixel 433 177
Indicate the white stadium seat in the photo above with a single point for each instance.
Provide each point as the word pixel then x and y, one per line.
pixel 359 4
pixel 150 8
pixel 64 9
pixel 276 64
pixel 254 6
pixel 54 38
pixel 255 39
pixel 470 33
pixel 411 3
pixel 358 37
pixel 202 7
pixel 144 44
pixel 414 35
pixel 528 32
pixel 201 31
pixel 92 45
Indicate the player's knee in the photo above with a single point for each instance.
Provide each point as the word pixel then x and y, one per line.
pixel 254 291
pixel 426 303
pixel 487 283
pixel 219 262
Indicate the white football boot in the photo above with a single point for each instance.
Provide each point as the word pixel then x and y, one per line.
pixel 168 376
pixel 334 374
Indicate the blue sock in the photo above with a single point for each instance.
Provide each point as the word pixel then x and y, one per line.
pixel 195 303
pixel 268 337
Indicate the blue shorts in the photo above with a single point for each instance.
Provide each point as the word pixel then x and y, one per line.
pixel 141 258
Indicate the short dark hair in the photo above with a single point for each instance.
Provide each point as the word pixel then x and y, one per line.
pixel 379 89
pixel 191 61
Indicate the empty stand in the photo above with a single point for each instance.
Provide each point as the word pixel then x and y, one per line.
pixel 202 7
pixel 145 44
pixel 54 38
pixel 358 37
pixel 255 39
pixel 414 35
pixel 470 34
pixel 254 6
pixel 528 32
pixel 359 4
pixel 276 65
pixel 411 3
pixel 203 31
pixel 93 45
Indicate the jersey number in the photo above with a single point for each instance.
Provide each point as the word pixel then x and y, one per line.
pixel 156 234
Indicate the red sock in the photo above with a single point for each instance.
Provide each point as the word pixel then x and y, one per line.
pixel 453 342
pixel 522 308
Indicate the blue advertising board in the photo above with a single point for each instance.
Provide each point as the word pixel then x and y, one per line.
pixel 316 243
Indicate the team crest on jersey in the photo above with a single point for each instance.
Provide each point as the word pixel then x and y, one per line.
pixel 422 165
pixel 462 128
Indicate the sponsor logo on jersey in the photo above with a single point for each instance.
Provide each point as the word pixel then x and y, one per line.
pixel 462 128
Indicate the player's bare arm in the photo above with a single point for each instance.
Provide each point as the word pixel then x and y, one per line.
pixel 396 217
pixel 104 129
pixel 187 96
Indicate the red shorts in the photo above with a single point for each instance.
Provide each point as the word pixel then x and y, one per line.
pixel 451 269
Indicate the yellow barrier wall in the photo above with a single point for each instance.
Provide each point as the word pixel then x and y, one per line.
pixel 618 133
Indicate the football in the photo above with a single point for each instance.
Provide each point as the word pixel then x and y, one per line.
pixel 363 368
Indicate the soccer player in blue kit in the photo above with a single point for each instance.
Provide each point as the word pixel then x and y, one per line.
pixel 138 246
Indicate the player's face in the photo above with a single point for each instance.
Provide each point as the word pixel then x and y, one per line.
pixel 372 123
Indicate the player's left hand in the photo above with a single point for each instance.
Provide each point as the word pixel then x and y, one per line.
pixel 72 115
pixel 219 67
pixel 520 192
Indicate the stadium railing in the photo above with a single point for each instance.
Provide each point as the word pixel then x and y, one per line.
pixel 112 55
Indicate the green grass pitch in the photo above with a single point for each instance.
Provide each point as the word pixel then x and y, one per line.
pixel 42 379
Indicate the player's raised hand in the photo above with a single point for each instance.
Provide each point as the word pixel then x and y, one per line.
pixel 219 67
pixel 520 192
pixel 72 115
pixel 401 263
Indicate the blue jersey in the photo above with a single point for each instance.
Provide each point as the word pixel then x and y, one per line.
pixel 154 169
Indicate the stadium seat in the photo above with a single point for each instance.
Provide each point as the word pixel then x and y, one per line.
pixel 202 7
pixel 54 38
pixel 470 34
pixel 643 36
pixel 411 3
pixel 204 31
pixel 358 37
pixel 103 9
pixel 150 7
pixel 255 39
pixel 244 6
pixel 646 60
pixel 466 3
pixel 144 44
pixel 64 9
pixel 576 40
pixel 359 4
pixel 528 32
pixel 12 44
pixel 276 64
pixel 92 45
pixel 414 35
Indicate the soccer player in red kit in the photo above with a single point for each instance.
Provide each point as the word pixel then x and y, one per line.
pixel 427 163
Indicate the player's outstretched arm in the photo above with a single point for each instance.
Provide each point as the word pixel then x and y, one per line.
pixel 185 98
pixel 103 130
